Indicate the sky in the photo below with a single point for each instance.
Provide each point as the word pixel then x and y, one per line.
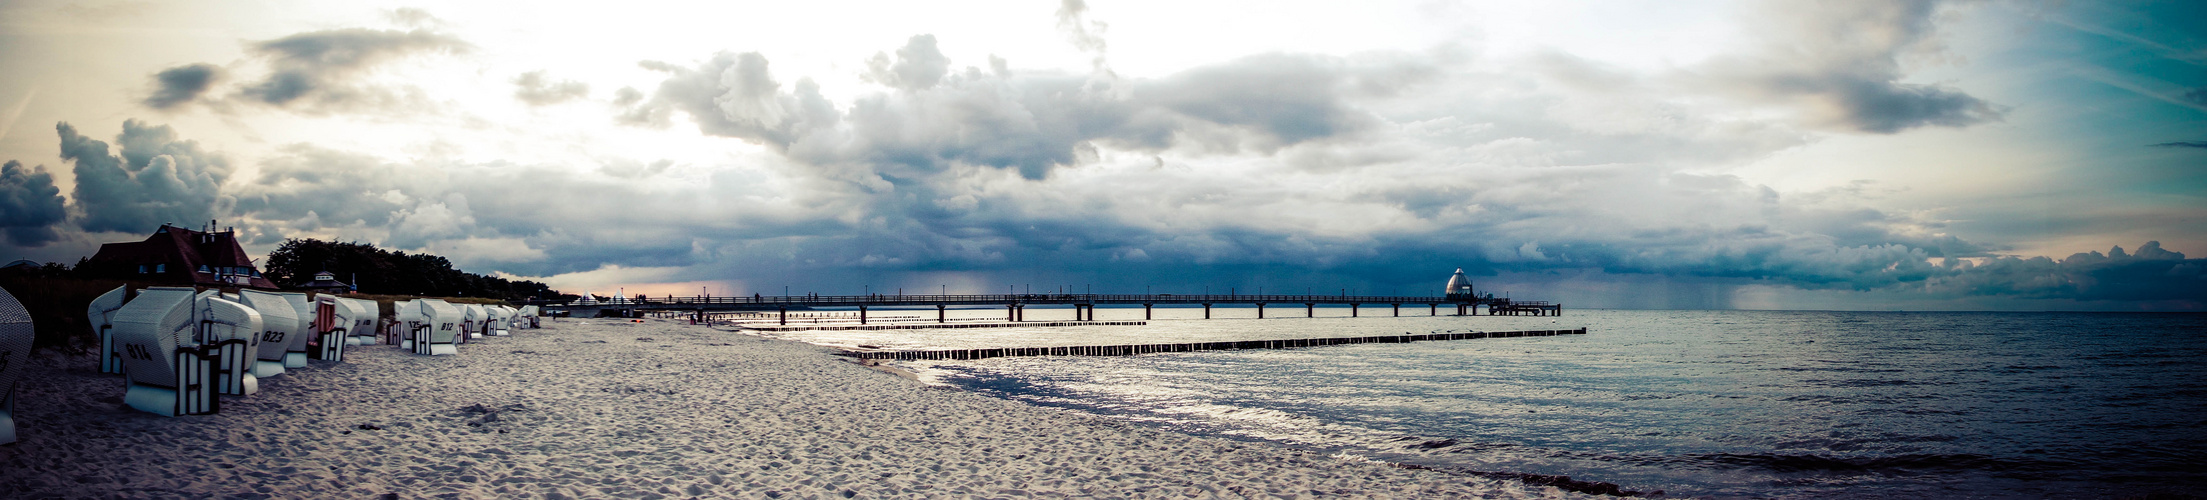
pixel 1857 155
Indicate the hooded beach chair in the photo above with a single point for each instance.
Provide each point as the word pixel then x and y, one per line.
pixel 528 317
pixel 16 335
pixel 501 321
pixel 441 336
pixel 173 342
pixel 102 313
pixel 279 324
pixel 365 314
pixel 295 349
pixel 332 319
pixel 477 319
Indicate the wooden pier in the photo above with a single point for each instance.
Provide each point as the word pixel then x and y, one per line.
pixel 939 326
pixel 1136 349
pixel 1015 305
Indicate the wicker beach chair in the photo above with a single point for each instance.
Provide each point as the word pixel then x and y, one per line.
pixel 528 317
pixel 173 341
pixel 295 348
pixel 441 335
pixel 15 354
pixel 332 319
pixel 364 315
pixel 102 313
pixel 279 324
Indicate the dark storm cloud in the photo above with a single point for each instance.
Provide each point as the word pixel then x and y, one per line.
pixel 155 179
pixel 2150 274
pixel 182 84
pixel 2197 96
pixel 538 90
pixel 1842 63
pixel 2182 144
pixel 30 205
pixel 318 68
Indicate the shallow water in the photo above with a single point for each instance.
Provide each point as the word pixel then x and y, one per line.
pixel 1696 403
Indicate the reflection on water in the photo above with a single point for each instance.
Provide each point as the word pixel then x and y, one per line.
pixel 1698 403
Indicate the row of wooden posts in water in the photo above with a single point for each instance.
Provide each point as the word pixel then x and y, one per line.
pixel 1135 349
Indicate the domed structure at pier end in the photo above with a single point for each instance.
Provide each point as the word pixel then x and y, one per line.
pixel 1458 285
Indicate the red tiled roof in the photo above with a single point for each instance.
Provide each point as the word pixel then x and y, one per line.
pixel 181 253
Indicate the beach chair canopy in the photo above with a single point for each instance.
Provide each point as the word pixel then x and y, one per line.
pixel 101 312
pixel 279 324
pixel 15 354
pixel 151 327
pixel 444 320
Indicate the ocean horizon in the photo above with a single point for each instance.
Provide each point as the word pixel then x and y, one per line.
pixel 1705 404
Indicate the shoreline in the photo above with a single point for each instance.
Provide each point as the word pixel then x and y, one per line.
pixel 590 408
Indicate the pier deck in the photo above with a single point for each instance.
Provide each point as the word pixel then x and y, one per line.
pixel 1135 349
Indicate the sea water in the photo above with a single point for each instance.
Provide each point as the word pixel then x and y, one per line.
pixel 1719 404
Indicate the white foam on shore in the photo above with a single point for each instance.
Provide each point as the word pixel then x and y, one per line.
pixel 640 410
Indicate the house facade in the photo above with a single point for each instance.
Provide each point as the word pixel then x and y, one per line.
pixel 181 257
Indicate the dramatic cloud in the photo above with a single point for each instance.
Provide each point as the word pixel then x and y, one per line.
pixel 2150 274
pixel 30 205
pixel 538 90
pixel 317 69
pixel 918 65
pixel 1841 64
pixel 2182 144
pixel 179 85
pixel 155 179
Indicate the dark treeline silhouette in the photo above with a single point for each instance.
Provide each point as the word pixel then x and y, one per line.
pixel 380 271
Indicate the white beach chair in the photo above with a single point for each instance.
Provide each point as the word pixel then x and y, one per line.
pixel 331 320
pixel 235 342
pixel 279 324
pixel 477 319
pixel 102 313
pixel 172 340
pixel 295 352
pixel 442 333
pixel 528 317
pixel 364 314
pixel 16 336
pixel 501 321
pixel 404 316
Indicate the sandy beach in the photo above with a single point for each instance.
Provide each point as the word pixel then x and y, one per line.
pixel 610 409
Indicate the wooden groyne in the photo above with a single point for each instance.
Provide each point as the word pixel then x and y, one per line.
pixel 1134 349
pixel 936 326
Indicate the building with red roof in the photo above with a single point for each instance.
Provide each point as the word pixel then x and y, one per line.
pixel 182 257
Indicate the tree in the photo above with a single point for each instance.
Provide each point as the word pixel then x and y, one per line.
pixel 379 271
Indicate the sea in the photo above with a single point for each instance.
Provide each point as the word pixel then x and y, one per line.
pixel 1695 404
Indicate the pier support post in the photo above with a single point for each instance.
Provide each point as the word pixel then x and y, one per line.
pixel 1433 309
pixel 861 315
pixel 940 317
pixel 1011 312
pixel 1145 311
pixel 1021 312
pixel 1206 311
pixel 1460 309
pixel 785 315
pixel 1310 310
pixel 1260 310
pixel 1398 309
pixel 1352 309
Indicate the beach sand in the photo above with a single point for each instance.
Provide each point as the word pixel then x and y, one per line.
pixel 603 408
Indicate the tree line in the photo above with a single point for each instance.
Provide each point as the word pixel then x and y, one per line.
pixel 378 271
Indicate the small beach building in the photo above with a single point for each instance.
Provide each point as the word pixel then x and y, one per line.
pixel 325 282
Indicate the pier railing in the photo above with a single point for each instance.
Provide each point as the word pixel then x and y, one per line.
pixel 1046 298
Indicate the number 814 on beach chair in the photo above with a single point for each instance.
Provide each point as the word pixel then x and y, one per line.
pixel 179 347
